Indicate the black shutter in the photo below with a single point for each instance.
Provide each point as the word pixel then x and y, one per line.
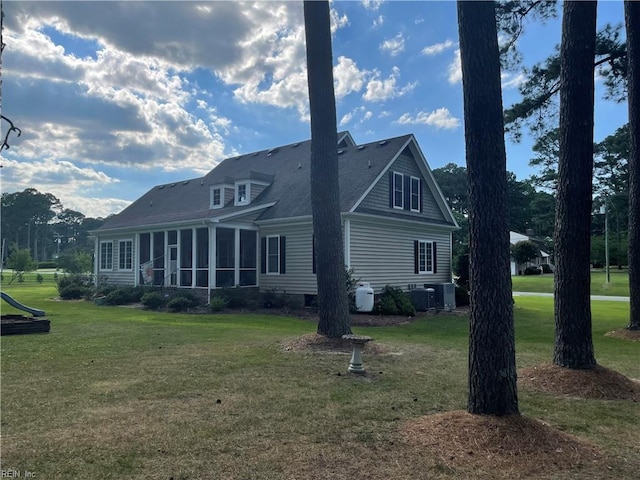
pixel 421 192
pixel 407 192
pixel 313 252
pixel 283 255
pixel 416 260
pixel 263 254
pixel 390 189
pixel 435 258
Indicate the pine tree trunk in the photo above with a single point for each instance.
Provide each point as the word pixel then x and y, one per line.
pixel 492 368
pixel 573 339
pixel 333 307
pixel 632 21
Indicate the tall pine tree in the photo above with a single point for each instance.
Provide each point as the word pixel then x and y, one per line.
pixel 492 369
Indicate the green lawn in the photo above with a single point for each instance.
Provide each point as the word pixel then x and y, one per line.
pixel 116 392
pixel 618 286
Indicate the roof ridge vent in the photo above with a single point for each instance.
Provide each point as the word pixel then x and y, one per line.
pixel 256 154
pixel 295 145
pixel 172 185
pixel 272 151
pixel 340 152
pixel 361 147
pixel 383 142
pixel 161 187
pixel 185 182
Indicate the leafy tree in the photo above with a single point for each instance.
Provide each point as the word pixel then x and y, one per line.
pixel 452 180
pixel 632 22
pixel 492 371
pixel 76 262
pixel 524 251
pixel 20 262
pixel 333 307
pixel 573 346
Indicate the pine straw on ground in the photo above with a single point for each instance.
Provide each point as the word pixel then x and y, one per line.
pixel 320 343
pixel 597 383
pixel 633 335
pixel 501 447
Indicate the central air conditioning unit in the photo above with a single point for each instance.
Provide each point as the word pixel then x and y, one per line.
pixel 423 299
pixel 445 295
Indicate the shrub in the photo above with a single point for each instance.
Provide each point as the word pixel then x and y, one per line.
pixel 273 298
pixel 152 300
pixel 532 271
pixel 462 296
pixel 74 286
pixel 393 301
pixel 119 296
pixel 39 278
pixel 546 268
pixel 179 304
pixel 217 304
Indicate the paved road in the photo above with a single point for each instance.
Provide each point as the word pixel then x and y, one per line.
pixel 593 297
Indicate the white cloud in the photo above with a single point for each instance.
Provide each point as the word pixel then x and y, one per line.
pixel 455 68
pixel 348 77
pixel 437 48
pixel 372 4
pixel 394 45
pixel 367 116
pixel 345 119
pixel 381 90
pixel 377 22
pixel 511 80
pixel 440 118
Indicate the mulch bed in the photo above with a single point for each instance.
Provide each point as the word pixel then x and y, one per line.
pixel 597 383
pixel 319 343
pixel 511 446
pixel 625 333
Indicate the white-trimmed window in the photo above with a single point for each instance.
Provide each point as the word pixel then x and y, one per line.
pixel 217 197
pixel 415 194
pixel 106 255
pixel 425 257
pixel 398 190
pixel 125 255
pixel 273 254
pixel 242 194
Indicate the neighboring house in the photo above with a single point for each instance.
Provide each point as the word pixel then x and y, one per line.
pixel 248 223
pixel 543 258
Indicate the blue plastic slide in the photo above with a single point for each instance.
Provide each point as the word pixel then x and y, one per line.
pixel 14 303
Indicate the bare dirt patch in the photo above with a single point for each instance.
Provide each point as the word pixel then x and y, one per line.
pixel 498 447
pixel 597 383
pixel 319 343
pixel 625 333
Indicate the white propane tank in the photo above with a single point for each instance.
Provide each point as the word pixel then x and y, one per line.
pixel 364 297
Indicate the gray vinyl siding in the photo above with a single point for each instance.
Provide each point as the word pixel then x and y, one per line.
pixel 299 277
pixel 114 276
pixel 378 197
pixel 256 189
pixel 384 255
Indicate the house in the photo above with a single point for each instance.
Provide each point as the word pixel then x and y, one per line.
pixel 543 258
pixel 248 223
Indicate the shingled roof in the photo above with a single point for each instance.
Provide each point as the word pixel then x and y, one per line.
pixel 288 195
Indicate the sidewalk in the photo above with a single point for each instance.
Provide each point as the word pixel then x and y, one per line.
pixel 593 297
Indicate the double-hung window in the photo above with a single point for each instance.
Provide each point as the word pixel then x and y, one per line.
pixel 415 194
pixel 125 255
pixel 106 255
pixel 273 254
pixel 242 194
pixel 398 190
pixel 216 197
pixel 425 257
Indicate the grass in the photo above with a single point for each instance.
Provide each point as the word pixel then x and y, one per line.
pixel 618 286
pixel 115 392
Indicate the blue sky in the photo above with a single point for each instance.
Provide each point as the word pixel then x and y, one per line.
pixel 116 97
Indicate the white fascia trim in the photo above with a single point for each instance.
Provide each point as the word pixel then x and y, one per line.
pixel 378 219
pixel 382 174
pixel 245 211
pixel 156 227
pixel 304 219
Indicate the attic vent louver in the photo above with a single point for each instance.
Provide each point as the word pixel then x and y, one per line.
pixel 256 154
pixel 201 182
pixel 172 185
pixel 185 182
pixel 369 164
pixel 361 147
pixel 161 187
pixel 151 203
pixel 383 142
pixel 340 152
pixel 272 151
pixel 299 165
pixel 295 145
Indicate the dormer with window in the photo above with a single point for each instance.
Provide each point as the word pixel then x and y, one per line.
pixel 219 195
pixel 243 194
